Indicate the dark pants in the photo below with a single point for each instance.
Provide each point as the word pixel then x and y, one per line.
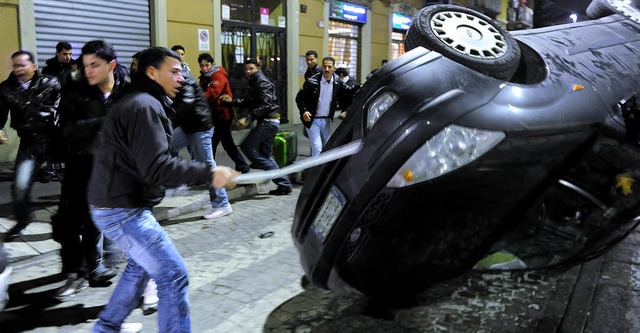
pixel 28 161
pixel 76 233
pixel 258 147
pixel 222 134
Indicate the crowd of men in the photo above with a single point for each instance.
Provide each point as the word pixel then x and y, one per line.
pixel 118 133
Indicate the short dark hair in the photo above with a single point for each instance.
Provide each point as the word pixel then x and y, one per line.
pixel 311 52
pixel 63 46
pixel 177 47
pixel 206 57
pixel 32 58
pixel 136 55
pixel 253 61
pixel 329 59
pixel 101 49
pixel 154 57
pixel 342 71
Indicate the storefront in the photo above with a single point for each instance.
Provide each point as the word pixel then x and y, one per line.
pixel 255 29
pixel 400 26
pixel 345 34
pixel 124 24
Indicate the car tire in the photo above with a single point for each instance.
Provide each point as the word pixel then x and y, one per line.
pixel 467 37
pixel 602 8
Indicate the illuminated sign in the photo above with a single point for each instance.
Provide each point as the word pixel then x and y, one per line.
pixel 401 22
pixel 348 11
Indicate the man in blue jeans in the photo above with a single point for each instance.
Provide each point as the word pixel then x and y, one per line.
pixel 133 163
pixel 193 127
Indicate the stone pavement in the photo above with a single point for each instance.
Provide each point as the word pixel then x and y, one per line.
pixel 241 281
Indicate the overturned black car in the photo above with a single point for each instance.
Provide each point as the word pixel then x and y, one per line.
pixel 523 143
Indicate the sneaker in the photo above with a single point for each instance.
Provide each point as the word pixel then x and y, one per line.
pixel 281 190
pixel 72 286
pixel 150 298
pixel 218 212
pixel 102 274
pixel 130 328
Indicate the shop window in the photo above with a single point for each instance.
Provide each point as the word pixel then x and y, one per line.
pixel 344 45
pixel 264 12
pixel 397 44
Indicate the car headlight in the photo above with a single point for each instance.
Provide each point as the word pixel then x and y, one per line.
pixel 446 151
pixel 379 107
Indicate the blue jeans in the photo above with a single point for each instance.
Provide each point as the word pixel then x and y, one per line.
pixel 318 133
pixel 150 253
pixel 258 147
pixel 201 148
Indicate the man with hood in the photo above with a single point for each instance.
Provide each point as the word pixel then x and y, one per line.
pixel 32 100
pixel 214 83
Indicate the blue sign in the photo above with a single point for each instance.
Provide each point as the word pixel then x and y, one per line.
pixel 401 22
pixel 348 11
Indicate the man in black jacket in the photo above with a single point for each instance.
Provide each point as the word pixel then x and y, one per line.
pixel 60 65
pixel 133 163
pixel 311 57
pixel 263 103
pixel 82 111
pixel 350 88
pixel 317 102
pixel 193 127
pixel 32 100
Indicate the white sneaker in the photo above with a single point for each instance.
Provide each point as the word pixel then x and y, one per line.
pixel 130 328
pixel 150 298
pixel 218 212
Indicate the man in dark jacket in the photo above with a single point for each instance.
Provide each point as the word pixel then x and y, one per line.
pixel 263 103
pixel 60 65
pixel 193 127
pixel 350 87
pixel 82 111
pixel 317 102
pixel 133 163
pixel 32 100
pixel 311 57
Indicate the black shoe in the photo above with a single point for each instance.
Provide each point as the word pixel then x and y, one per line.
pixel 14 232
pixel 281 191
pixel 102 274
pixel 244 168
pixel 72 286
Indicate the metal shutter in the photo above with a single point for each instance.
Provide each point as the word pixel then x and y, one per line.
pixel 123 23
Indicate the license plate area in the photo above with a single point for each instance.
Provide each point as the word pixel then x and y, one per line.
pixel 329 213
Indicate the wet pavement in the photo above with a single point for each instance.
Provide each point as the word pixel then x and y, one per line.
pixel 242 281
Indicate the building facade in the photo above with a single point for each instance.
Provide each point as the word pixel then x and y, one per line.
pixel 359 34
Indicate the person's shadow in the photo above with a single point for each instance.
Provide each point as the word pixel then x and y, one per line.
pixel 28 311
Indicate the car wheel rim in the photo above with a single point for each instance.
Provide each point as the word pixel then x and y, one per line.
pixel 469 35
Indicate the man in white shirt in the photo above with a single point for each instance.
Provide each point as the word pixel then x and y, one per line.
pixel 317 103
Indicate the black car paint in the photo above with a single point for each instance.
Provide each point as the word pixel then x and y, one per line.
pixel 418 235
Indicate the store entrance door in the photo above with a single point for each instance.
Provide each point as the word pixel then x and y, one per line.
pixel 266 44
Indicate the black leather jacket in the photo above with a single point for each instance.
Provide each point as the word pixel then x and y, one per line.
pixel 60 70
pixel 83 109
pixel 33 110
pixel 191 108
pixel 132 157
pixel 307 97
pixel 261 99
